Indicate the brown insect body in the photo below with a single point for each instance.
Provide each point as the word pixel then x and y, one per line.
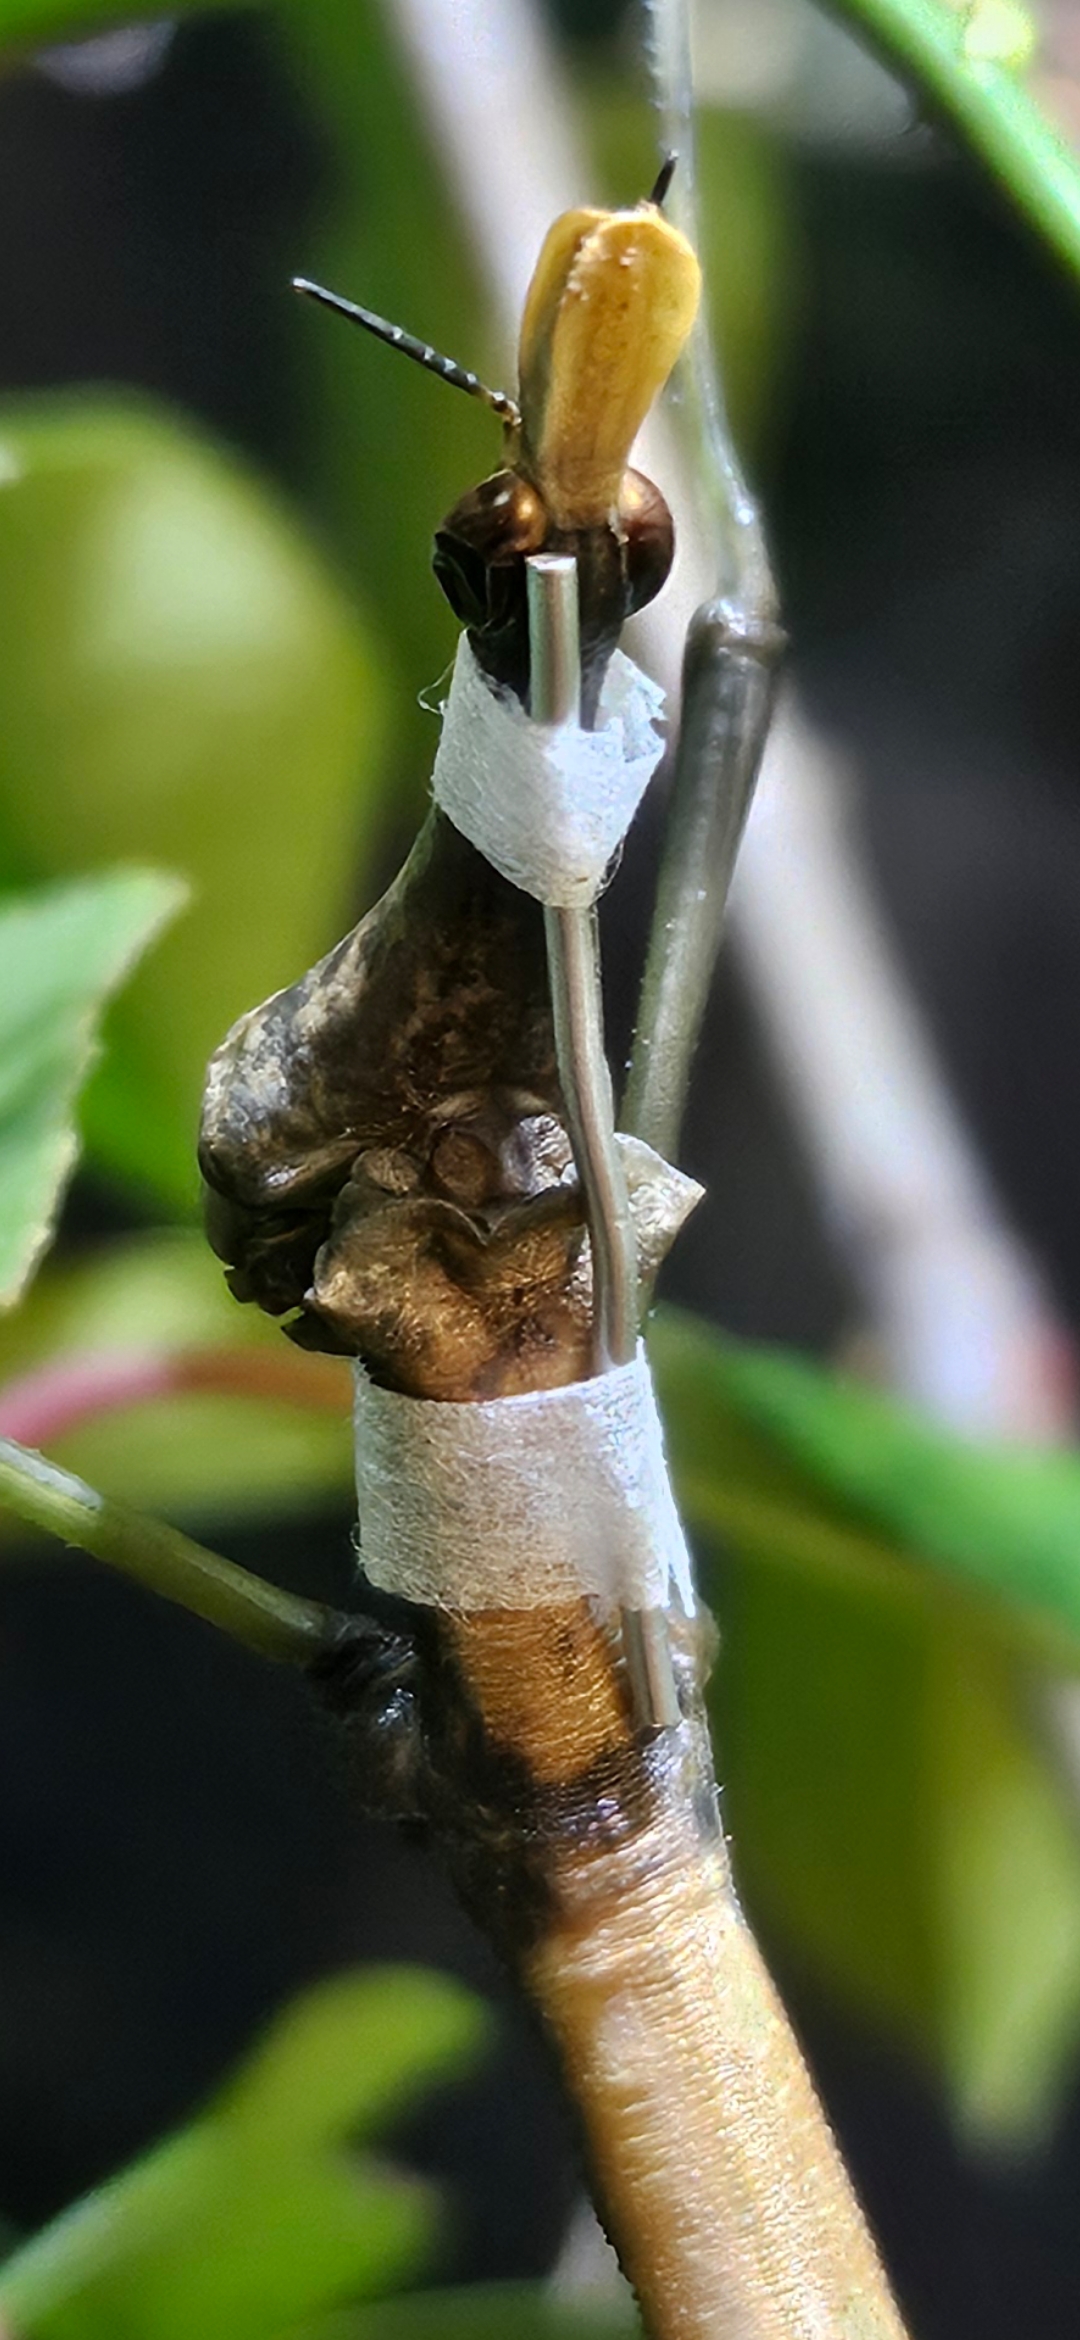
pixel 611 301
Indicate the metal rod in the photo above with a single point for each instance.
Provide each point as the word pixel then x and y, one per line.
pixel 577 1010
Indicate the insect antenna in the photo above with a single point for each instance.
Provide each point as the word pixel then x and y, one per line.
pixel 421 351
pixel 664 178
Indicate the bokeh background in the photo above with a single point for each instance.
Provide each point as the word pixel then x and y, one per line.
pixel 216 624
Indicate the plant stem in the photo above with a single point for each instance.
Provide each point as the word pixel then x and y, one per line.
pixel 937 49
pixel 53 1399
pixel 273 1623
pixel 730 663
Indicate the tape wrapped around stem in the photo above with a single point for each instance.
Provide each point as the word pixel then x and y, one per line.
pixel 547 806
pixel 521 1502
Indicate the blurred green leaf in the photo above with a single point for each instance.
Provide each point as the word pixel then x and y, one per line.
pixel 182 679
pixel 896 1829
pixel 969 64
pixel 29 23
pixel 895 1823
pixel 390 449
pixel 257 2215
pixel 351 2056
pixel 1002 1521
pixel 768 1444
pixel 197 1456
pixel 495 2311
pixel 63 951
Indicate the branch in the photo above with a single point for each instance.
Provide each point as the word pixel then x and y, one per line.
pixel 965 61
pixel 273 1623
pixel 733 649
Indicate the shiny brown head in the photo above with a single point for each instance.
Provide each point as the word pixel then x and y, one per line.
pixel 612 300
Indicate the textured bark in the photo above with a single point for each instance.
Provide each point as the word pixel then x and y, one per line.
pixel 386 1156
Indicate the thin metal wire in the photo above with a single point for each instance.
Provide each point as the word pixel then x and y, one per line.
pixel 577 1007
pixel 577 1010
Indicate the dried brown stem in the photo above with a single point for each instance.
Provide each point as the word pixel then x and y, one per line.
pixel 383 1170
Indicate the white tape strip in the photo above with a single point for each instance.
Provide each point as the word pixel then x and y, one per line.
pixel 547 807
pixel 521 1502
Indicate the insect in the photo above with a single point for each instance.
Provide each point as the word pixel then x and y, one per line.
pixel 403 1072
pixel 612 300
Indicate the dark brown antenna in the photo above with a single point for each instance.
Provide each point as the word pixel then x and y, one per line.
pixel 664 178
pixel 421 351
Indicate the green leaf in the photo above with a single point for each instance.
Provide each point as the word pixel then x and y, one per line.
pixel 256 2215
pixel 29 23
pixel 895 1823
pixel 182 679
pixel 389 451
pixel 494 2311
pixel 966 59
pixel 62 953
pixel 1003 1522
pixel 896 1828
pixel 199 1456
pixel 774 1447
pixel 351 2056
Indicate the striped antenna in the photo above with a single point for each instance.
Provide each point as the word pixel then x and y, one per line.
pixel 447 368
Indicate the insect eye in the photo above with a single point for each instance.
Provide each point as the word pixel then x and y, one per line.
pixel 493 527
pixel 648 534
pixel 501 520
pixel 462 574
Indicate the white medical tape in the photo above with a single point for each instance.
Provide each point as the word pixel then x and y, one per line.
pixel 521 1502
pixel 548 807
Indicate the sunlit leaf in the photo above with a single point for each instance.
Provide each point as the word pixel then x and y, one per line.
pixel 63 952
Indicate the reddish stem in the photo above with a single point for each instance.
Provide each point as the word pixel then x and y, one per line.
pixel 42 1406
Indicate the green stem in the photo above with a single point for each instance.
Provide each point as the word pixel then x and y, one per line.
pixel 274 1623
pixel 932 46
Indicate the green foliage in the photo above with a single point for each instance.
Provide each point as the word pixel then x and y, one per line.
pixel 182 680
pixel 273 2215
pixel 63 951
pixel 198 1454
pixel 263 2211
pixel 390 449
pixel 966 60
pixel 27 24
pixel 895 1823
pixel 498 2311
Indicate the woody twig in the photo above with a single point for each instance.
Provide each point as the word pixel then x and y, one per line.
pixel 389 1149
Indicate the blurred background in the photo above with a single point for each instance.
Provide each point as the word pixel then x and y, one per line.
pixel 218 632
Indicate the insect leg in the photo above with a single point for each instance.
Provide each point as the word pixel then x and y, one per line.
pixel 729 684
